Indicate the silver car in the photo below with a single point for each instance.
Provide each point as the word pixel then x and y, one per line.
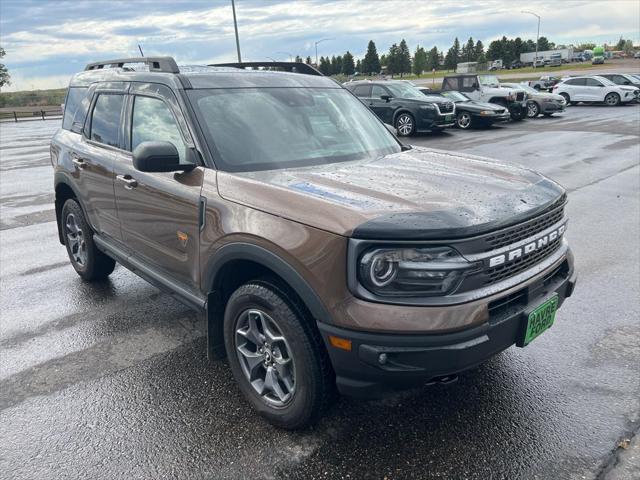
pixel 538 102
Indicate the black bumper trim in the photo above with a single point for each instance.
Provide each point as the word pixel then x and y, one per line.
pixel 412 360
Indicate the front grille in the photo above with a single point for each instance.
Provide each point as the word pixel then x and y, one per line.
pixel 527 229
pixel 496 274
pixel 445 107
pixel 499 112
pixel 519 96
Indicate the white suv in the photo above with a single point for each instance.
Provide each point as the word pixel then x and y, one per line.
pixel 595 89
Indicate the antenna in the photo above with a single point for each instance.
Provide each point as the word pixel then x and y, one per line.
pixel 140 48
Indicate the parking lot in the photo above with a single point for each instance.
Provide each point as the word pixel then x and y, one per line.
pixel 111 380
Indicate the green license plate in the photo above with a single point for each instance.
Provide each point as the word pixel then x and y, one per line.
pixel 540 320
pixel 448 118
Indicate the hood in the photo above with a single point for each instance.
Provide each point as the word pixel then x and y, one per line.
pixel 628 88
pixel 479 106
pixel 426 99
pixel 417 194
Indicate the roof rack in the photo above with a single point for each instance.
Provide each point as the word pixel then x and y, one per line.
pixel 156 64
pixel 294 67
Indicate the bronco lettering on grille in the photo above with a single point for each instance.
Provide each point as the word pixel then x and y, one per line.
pixel 527 248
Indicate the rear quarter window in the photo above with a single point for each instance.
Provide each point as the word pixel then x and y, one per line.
pixel 75 103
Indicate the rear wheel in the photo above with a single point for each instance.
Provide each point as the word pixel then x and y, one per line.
pixel 612 99
pixel 276 355
pixel 405 124
pixel 464 120
pixel 89 262
pixel 533 110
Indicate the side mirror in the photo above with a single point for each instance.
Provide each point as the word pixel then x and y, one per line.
pixel 386 98
pixel 158 157
pixel 77 127
pixel 392 129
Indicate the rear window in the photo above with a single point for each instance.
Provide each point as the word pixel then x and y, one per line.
pixel 105 121
pixel 73 103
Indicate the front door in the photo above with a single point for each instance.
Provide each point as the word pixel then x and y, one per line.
pixel 159 211
pixel 382 107
pixel 594 90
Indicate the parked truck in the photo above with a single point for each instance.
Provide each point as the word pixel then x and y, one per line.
pixel 566 54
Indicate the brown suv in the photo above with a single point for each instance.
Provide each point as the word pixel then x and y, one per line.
pixel 321 250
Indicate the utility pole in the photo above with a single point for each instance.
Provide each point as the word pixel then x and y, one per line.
pixel 537 35
pixel 320 41
pixel 235 26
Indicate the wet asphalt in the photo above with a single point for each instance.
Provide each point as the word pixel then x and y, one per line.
pixel 111 380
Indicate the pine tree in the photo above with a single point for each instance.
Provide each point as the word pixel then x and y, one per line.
pixel 433 59
pixel 371 62
pixel 456 52
pixel 358 66
pixel 393 59
pixel 334 65
pixel 404 58
pixel 325 66
pixel 308 61
pixel 468 53
pixel 419 60
pixel 348 67
pixel 479 52
pixel 298 59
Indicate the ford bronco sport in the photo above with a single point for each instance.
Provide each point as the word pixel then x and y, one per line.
pixel 321 251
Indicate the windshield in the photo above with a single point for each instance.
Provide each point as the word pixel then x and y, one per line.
pixel 404 90
pixel 456 96
pixel 489 80
pixel 253 129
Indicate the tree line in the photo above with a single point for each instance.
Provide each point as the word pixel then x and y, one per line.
pixel 399 60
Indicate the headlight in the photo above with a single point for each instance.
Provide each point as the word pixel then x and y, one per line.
pixel 487 112
pixel 424 272
pixel 427 106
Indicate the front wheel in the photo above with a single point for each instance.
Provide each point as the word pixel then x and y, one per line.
pixel 276 356
pixel 533 110
pixel 464 120
pixel 566 98
pixel 612 99
pixel 405 124
pixel 89 262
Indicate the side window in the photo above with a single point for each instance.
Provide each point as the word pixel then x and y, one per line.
pixel 75 95
pixel 592 82
pixel 576 81
pixel 362 91
pixel 105 120
pixel 153 121
pixel 377 91
pixel 469 84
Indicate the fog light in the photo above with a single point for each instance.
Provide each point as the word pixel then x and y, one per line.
pixel 382 358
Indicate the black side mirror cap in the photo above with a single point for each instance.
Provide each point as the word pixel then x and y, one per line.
pixel 386 98
pixel 158 157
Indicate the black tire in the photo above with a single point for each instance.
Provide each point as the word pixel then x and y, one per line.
pixel 533 109
pixel 314 380
pixel 405 124
pixel 612 99
pixel 537 87
pixel 89 262
pixel 517 115
pixel 566 98
pixel 464 120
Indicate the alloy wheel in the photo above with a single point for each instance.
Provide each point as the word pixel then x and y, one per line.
pixel 464 120
pixel 532 110
pixel 404 124
pixel 76 240
pixel 611 99
pixel 265 357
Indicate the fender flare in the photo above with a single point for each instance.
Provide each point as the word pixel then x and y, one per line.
pixel 268 259
pixel 61 178
pixel 399 111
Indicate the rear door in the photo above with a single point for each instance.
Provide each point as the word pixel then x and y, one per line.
pixel 576 88
pixel 159 211
pixel 93 156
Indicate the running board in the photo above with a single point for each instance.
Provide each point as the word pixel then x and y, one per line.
pixel 152 276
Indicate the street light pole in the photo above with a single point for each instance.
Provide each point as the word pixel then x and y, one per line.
pixel 537 35
pixel 235 26
pixel 320 41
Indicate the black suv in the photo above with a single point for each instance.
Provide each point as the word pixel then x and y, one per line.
pixel 404 106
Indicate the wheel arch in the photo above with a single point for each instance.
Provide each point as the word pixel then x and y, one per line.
pixel 402 110
pixel 237 263
pixel 64 190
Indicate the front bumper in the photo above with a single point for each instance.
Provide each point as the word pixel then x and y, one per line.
pixel 437 121
pixel 501 117
pixel 551 107
pixel 411 360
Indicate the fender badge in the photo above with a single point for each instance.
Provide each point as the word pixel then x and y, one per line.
pixel 182 237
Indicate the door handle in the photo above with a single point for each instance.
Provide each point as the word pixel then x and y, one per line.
pixel 129 182
pixel 78 162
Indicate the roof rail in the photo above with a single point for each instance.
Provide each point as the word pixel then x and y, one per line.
pixel 156 64
pixel 295 67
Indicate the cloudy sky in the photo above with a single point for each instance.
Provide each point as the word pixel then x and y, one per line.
pixel 47 41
